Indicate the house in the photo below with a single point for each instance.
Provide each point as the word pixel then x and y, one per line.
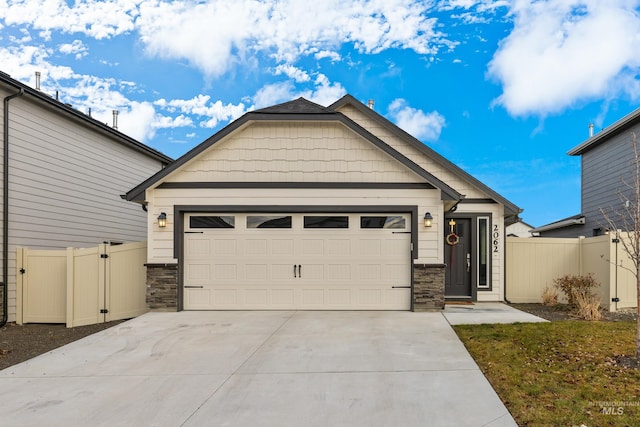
pixel 299 206
pixel 520 229
pixel 606 159
pixel 63 173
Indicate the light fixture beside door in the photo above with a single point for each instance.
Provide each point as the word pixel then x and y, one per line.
pixel 162 220
pixel 428 219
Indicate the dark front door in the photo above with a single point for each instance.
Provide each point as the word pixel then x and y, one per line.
pixel 457 257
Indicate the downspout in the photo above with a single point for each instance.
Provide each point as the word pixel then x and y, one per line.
pixel 5 209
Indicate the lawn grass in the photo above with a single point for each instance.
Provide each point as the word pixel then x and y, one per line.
pixel 559 373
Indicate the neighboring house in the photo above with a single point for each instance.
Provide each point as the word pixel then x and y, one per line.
pixel 298 206
pixel 606 160
pixel 520 229
pixel 66 172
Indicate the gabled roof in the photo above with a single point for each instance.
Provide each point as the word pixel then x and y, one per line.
pixel 618 127
pixel 297 106
pixel 87 120
pixel 297 110
pixel 411 140
pixel 578 219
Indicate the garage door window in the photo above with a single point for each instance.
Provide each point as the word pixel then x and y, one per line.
pixel 326 222
pixel 268 221
pixel 212 222
pixel 383 222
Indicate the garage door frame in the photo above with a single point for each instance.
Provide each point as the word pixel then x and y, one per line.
pixel 179 212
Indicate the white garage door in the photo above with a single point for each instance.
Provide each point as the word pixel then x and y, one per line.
pixel 297 261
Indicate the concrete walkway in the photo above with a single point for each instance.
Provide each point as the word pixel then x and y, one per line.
pixel 487 312
pixel 257 369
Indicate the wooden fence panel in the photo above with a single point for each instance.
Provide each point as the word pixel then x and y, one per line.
pixel 42 286
pixel 82 286
pixel 533 264
pixel 85 286
pixel 125 296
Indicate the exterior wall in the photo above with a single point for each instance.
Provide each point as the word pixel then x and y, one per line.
pixel 66 182
pixel 603 168
pixel 299 152
pixel 519 229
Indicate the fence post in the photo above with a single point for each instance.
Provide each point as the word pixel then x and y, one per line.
pixel 20 259
pixel 70 287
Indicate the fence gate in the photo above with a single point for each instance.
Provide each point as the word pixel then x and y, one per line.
pixel 81 286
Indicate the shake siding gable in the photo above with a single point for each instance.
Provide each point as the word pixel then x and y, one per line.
pixel 300 152
pixel 412 153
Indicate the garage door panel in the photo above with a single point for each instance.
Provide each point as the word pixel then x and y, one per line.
pixel 313 297
pixel 256 247
pixel 339 272
pixel 338 247
pixel 257 272
pixel 282 297
pixel 198 248
pixel 296 267
pixel 339 297
pixel 312 247
pixel 225 247
pixel 282 247
pixel 198 272
pixel 225 297
pixel 258 297
pixel 225 272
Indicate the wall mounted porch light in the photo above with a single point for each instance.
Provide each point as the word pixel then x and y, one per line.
pixel 428 219
pixel 162 220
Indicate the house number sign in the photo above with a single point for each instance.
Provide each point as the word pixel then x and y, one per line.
pixel 496 238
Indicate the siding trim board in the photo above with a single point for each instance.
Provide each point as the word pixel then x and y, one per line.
pixel 358 185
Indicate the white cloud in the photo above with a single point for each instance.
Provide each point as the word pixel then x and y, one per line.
pixel 76 48
pixel 97 19
pixel 216 35
pixel 295 73
pixel 424 126
pixel 200 105
pixel 568 51
pixel 333 56
pixel 324 92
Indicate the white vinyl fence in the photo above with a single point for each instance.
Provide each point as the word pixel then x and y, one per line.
pixel 81 286
pixel 533 263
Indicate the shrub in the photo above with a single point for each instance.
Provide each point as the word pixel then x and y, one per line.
pixel 570 283
pixel 550 296
pixel 587 305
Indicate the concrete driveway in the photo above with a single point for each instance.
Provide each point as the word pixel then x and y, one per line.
pixel 257 369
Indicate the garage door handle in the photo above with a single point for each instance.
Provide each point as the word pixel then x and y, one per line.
pixel 193 287
pixel 299 271
pixel 294 271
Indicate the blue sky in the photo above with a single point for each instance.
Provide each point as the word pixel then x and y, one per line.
pixel 501 88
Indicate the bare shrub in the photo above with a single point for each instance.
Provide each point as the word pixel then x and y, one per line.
pixel 550 296
pixel 569 283
pixel 587 305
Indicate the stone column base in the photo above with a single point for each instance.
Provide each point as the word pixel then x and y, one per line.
pixel 428 287
pixel 162 287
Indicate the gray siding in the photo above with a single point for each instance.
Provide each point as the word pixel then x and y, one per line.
pixel 603 168
pixel 66 178
pixel 572 231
